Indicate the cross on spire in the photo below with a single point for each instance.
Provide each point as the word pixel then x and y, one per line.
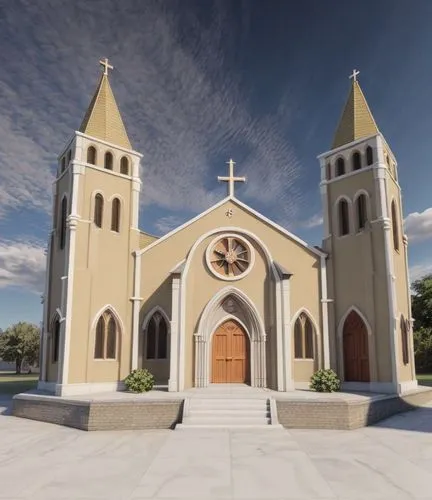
pixel 231 179
pixel 106 65
pixel 354 74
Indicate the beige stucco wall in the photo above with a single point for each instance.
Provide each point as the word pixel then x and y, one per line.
pixel 202 285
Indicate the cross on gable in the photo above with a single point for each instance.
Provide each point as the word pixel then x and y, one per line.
pixel 354 74
pixel 231 179
pixel 106 65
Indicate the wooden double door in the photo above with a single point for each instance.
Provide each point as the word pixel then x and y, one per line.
pixel 355 349
pixel 230 354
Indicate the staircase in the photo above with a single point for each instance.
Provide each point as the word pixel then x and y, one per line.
pixel 228 413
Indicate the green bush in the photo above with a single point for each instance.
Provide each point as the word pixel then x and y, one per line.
pixel 139 381
pixel 423 350
pixel 325 381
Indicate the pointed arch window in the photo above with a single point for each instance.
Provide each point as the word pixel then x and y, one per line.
pixel 369 156
pixel 328 171
pixel 98 210
pixel 106 337
pixel 115 215
pixel 356 161
pixel 404 327
pixel 303 337
pixel 69 157
pixel 63 164
pixel 157 337
pixel 124 166
pixel 361 209
pixel 56 340
pixel 340 167
pixel 63 220
pixel 91 155
pixel 108 164
pixel 395 226
pixel 343 216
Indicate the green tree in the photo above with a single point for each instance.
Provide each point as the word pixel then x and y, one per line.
pixel 422 302
pixel 20 342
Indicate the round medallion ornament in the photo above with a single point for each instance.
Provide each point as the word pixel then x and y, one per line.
pixel 230 257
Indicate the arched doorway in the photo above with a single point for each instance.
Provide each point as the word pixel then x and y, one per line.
pixel 355 349
pixel 230 354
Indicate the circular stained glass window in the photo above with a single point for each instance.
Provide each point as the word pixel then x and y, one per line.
pixel 229 257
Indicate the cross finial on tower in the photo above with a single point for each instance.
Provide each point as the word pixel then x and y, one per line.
pixel 354 74
pixel 106 65
pixel 231 179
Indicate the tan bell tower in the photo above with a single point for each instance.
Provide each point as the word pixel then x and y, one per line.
pixel 370 312
pixel 90 261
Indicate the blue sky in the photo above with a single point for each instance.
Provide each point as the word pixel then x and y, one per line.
pixel 198 82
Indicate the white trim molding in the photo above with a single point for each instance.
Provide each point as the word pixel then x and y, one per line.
pixel 88 388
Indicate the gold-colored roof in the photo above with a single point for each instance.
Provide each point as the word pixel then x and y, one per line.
pixel 356 120
pixel 146 239
pixel 103 120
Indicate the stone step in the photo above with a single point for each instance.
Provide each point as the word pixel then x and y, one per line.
pixel 217 403
pixel 253 412
pixel 237 426
pixel 225 420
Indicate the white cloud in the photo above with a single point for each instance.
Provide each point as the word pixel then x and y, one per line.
pixel 166 224
pixel 418 226
pixel 185 106
pixel 315 221
pixel 22 264
pixel 419 270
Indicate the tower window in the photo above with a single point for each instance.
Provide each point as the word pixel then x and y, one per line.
pixel 69 157
pixel 108 161
pixel 404 327
pixel 361 209
pixel 328 171
pixel 157 337
pixel 56 340
pixel 98 210
pixel 340 166
pixel 63 164
pixel 115 215
pixel 91 155
pixel 303 338
pixel 369 155
pixel 343 215
pixel 395 226
pixel 106 337
pixel 124 166
pixel 356 161
pixel 63 217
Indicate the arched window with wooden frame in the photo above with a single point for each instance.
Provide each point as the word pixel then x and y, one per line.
pixel 356 161
pixel 124 166
pixel 63 222
pixel 98 210
pixel 106 336
pixel 369 156
pixel 91 155
pixel 361 212
pixel 108 163
pixel 340 167
pixel 343 217
pixel 55 333
pixel 404 328
pixel 303 337
pixel 157 337
pixel 395 225
pixel 115 215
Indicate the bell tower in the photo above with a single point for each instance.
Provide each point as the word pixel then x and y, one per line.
pixel 370 311
pixel 87 309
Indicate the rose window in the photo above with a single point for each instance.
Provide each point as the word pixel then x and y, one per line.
pixel 230 257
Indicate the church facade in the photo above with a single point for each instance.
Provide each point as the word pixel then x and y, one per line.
pixel 229 297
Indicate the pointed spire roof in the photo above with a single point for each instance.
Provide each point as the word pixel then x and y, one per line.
pixel 356 120
pixel 102 119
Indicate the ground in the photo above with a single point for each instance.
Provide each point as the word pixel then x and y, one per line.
pixel 11 384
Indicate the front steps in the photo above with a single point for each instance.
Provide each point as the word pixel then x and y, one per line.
pixel 228 413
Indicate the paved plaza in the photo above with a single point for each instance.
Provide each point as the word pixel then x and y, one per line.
pixel 391 461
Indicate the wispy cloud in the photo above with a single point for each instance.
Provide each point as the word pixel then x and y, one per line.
pixel 315 221
pixel 418 271
pixel 166 224
pixel 418 226
pixel 22 264
pixel 183 102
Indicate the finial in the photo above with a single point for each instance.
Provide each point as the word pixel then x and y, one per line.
pixel 354 74
pixel 231 179
pixel 106 65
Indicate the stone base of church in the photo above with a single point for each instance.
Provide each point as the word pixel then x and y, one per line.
pixel 163 410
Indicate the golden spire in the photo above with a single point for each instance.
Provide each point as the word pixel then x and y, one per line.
pixel 103 120
pixel 356 120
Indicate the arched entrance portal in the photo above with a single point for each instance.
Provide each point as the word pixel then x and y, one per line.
pixel 230 354
pixel 355 349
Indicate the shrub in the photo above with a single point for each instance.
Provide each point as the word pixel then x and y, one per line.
pixel 139 381
pixel 423 350
pixel 325 381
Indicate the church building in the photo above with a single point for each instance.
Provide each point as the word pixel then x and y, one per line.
pixel 229 297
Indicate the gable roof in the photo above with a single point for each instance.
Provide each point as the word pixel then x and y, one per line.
pixel 248 209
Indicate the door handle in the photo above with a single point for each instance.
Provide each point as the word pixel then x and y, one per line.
pixel 229 358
